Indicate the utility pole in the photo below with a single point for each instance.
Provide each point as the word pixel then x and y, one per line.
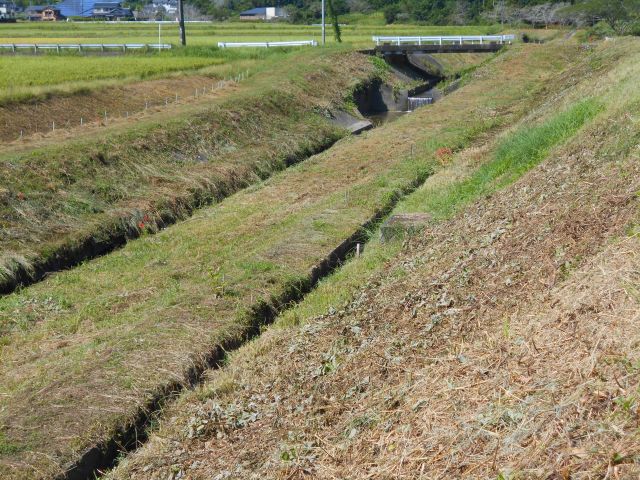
pixel 183 34
pixel 324 35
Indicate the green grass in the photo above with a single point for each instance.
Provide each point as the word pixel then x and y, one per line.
pixel 29 77
pixel 519 152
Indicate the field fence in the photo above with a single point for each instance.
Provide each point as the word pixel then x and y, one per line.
pixel 104 117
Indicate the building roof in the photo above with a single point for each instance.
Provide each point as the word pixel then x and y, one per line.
pixel 39 8
pixel 76 8
pixel 255 11
pixel 115 11
pixel 262 11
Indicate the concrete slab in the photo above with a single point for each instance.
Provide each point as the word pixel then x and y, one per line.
pixel 402 225
pixel 354 124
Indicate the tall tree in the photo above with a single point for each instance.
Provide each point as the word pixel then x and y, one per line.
pixel 337 33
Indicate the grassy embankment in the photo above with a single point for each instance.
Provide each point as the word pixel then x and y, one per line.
pixel 502 321
pixel 101 330
pixel 64 201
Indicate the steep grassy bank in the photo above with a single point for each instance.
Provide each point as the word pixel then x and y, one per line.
pixel 61 204
pixel 86 349
pixel 500 343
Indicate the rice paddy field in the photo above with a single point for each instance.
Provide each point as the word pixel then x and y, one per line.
pixel 32 71
pixel 211 32
pixel 26 76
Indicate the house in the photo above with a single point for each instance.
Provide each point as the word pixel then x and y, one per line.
pixel 111 11
pixel 43 13
pixel 7 11
pixel 158 10
pixel 170 7
pixel 51 14
pixel 263 13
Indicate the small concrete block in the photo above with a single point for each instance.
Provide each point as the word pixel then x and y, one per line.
pixel 360 126
pixel 403 224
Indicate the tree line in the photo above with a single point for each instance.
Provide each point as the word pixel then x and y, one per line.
pixel 621 15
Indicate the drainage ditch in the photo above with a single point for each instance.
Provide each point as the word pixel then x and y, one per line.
pixel 374 98
pixel 382 103
pixel 96 460
pixel 377 102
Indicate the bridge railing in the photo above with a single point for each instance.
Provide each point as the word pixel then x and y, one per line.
pixel 58 47
pixel 445 40
pixel 294 43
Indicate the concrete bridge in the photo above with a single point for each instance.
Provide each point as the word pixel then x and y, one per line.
pixel 442 44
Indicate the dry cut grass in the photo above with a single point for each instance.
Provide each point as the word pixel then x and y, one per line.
pixel 501 343
pixel 84 350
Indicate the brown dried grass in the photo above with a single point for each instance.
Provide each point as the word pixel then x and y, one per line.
pixel 503 342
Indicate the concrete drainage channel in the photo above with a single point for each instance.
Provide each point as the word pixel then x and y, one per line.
pixel 381 103
pixel 97 460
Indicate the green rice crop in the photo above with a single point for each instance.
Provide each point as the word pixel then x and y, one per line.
pixel 211 33
pixel 52 70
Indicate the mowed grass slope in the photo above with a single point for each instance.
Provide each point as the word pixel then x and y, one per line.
pixel 472 350
pixel 85 349
pixel 55 199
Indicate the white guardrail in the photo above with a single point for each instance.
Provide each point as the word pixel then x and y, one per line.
pixel 83 46
pixel 297 43
pixel 446 40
